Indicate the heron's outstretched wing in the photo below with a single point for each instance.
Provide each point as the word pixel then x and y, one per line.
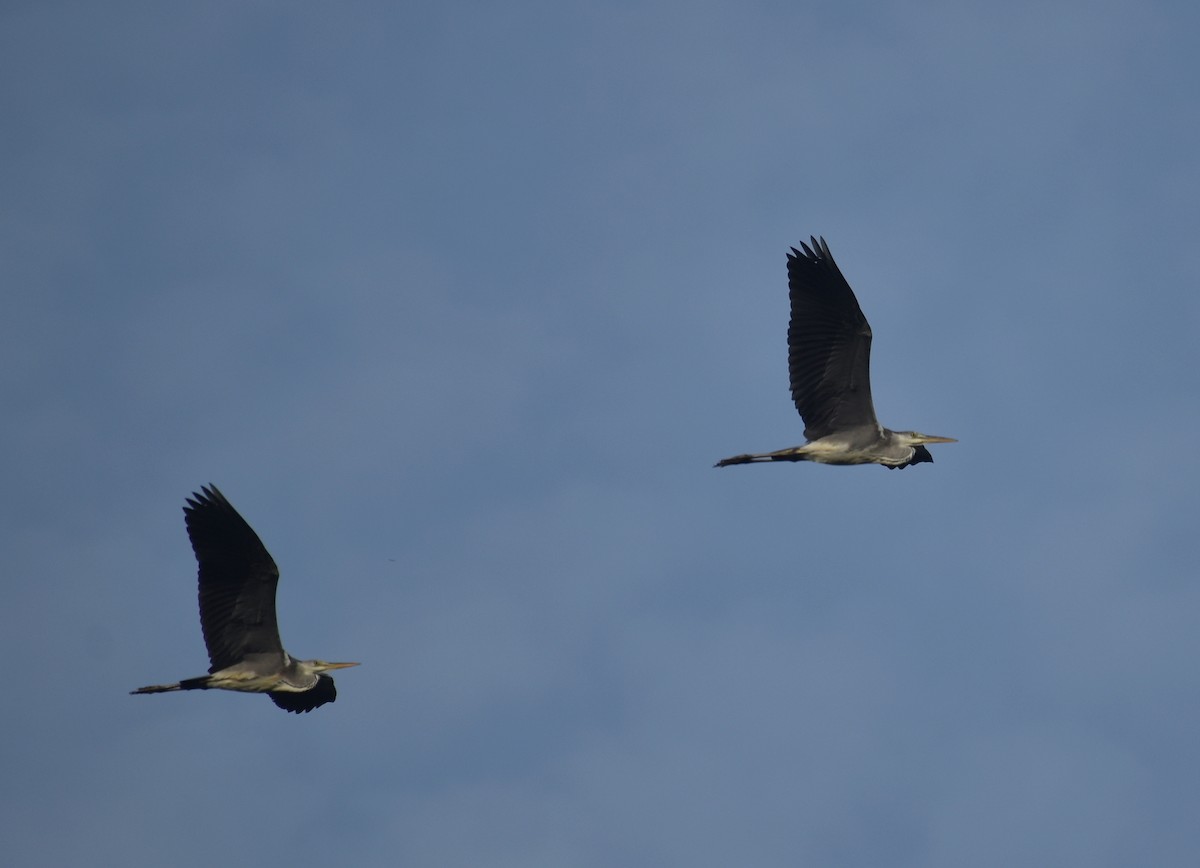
pixel 325 691
pixel 237 581
pixel 829 345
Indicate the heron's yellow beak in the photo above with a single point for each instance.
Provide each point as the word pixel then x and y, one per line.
pixel 340 665
pixel 926 438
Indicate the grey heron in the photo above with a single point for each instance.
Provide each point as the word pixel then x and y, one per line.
pixel 237 614
pixel 829 358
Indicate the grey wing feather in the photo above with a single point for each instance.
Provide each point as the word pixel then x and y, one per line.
pixel 829 345
pixel 237 578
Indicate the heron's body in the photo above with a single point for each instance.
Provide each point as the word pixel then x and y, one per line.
pixel 258 673
pixel 237 579
pixel 856 446
pixel 829 360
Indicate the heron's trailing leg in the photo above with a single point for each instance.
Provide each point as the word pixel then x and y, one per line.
pixel 794 454
pixel 200 683
pixel 158 688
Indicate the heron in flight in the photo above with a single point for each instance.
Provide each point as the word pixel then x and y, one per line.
pixel 237 614
pixel 829 358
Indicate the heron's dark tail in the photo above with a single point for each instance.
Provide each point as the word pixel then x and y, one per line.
pixel 793 454
pixel 200 683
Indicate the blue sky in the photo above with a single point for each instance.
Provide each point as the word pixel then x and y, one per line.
pixel 458 303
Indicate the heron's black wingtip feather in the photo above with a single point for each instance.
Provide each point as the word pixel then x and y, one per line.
pixel 302 703
pixel 208 495
pixel 816 251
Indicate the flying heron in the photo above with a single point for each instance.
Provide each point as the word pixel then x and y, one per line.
pixel 237 614
pixel 829 358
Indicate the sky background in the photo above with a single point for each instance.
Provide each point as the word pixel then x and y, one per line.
pixel 459 302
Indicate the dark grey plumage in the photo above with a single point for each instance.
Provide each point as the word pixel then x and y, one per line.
pixel 237 581
pixel 827 332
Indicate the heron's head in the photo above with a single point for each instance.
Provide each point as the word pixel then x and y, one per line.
pixel 325 666
pixel 916 438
